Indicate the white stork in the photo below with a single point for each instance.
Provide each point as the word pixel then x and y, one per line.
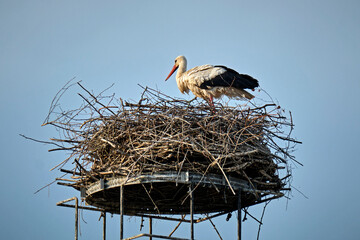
pixel 208 81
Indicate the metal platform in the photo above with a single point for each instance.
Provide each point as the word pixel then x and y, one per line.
pixel 170 193
pixel 167 193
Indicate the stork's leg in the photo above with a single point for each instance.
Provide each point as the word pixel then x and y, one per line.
pixel 211 103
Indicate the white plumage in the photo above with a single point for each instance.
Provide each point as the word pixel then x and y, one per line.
pixel 208 81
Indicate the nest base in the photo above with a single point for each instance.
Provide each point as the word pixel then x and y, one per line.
pixel 167 193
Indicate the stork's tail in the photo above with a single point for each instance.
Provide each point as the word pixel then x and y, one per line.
pixel 246 94
pixel 235 92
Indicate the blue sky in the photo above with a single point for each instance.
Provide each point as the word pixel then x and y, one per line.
pixel 306 54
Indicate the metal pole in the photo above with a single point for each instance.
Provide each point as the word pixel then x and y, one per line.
pixel 104 225
pixel 121 213
pixel 150 227
pixel 76 218
pixel 239 216
pixel 191 213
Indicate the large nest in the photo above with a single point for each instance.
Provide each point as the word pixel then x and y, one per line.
pixel 159 133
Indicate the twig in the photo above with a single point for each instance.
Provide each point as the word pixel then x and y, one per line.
pixel 40 141
pixel 177 226
pixel 147 192
pixel 96 100
pixel 214 227
pixel 48 184
pixel 261 219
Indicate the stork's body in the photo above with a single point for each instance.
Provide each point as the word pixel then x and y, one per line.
pixel 208 81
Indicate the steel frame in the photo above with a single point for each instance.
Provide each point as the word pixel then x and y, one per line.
pixel 241 188
pixel 192 221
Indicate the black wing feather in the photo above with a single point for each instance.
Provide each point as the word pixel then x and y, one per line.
pixel 231 78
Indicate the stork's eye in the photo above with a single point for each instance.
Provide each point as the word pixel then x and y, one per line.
pixel 175 61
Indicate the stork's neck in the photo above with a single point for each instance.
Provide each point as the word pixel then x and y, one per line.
pixel 181 68
pixel 179 76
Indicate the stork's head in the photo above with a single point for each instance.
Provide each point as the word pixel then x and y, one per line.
pixel 179 61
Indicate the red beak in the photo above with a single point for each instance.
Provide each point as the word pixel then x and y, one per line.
pixel 172 71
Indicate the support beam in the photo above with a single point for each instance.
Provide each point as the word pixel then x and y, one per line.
pixel 104 225
pixel 150 228
pixel 155 236
pixel 160 217
pixel 76 206
pixel 121 212
pixel 191 212
pixel 212 216
pixel 239 215
pixel 76 218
